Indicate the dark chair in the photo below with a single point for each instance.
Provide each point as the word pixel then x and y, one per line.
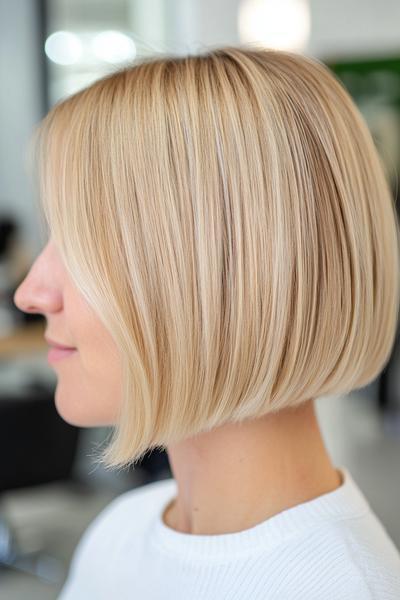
pixel 36 447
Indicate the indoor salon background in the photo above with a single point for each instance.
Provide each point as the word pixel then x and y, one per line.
pixel 49 488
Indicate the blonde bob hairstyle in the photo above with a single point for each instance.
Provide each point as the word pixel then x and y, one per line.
pixel 230 221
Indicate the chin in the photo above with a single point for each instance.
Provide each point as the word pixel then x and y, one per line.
pixel 78 415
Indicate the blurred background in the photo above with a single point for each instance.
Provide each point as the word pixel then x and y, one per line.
pixel 49 487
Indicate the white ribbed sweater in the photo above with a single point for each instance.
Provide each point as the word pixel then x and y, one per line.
pixel 330 548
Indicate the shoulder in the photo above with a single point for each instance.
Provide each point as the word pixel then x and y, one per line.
pixel 130 512
pixel 373 556
pixel 349 559
pixel 340 548
pixel 128 515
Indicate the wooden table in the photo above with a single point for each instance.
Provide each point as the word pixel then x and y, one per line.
pixel 25 339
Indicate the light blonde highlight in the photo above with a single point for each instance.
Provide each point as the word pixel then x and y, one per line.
pixel 228 217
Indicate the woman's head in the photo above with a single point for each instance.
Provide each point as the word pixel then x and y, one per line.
pixel 228 228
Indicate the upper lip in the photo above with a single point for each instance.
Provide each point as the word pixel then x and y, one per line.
pixel 56 344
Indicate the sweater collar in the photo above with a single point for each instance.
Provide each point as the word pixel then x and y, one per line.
pixel 345 502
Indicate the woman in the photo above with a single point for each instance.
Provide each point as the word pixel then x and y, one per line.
pixel 223 249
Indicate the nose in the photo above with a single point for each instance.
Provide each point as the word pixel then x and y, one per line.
pixel 38 292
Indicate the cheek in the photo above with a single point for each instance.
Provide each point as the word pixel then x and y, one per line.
pixel 89 387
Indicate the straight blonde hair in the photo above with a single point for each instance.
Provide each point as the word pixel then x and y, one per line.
pixel 229 219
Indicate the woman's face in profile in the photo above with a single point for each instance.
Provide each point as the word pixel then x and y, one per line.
pixel 88 379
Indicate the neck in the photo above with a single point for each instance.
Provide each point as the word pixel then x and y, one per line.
pixel 240 474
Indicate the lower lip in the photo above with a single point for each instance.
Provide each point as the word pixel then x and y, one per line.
pixel 56 354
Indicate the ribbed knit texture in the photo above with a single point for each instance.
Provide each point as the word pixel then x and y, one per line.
pixel 330 548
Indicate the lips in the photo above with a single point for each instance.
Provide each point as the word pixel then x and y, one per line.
pixel 56 354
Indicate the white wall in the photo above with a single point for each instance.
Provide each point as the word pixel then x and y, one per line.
pixel 214 23
pixel 338 28
pixel 189 25
pixel 20 108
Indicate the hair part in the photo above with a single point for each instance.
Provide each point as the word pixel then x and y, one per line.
pixel 228 217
